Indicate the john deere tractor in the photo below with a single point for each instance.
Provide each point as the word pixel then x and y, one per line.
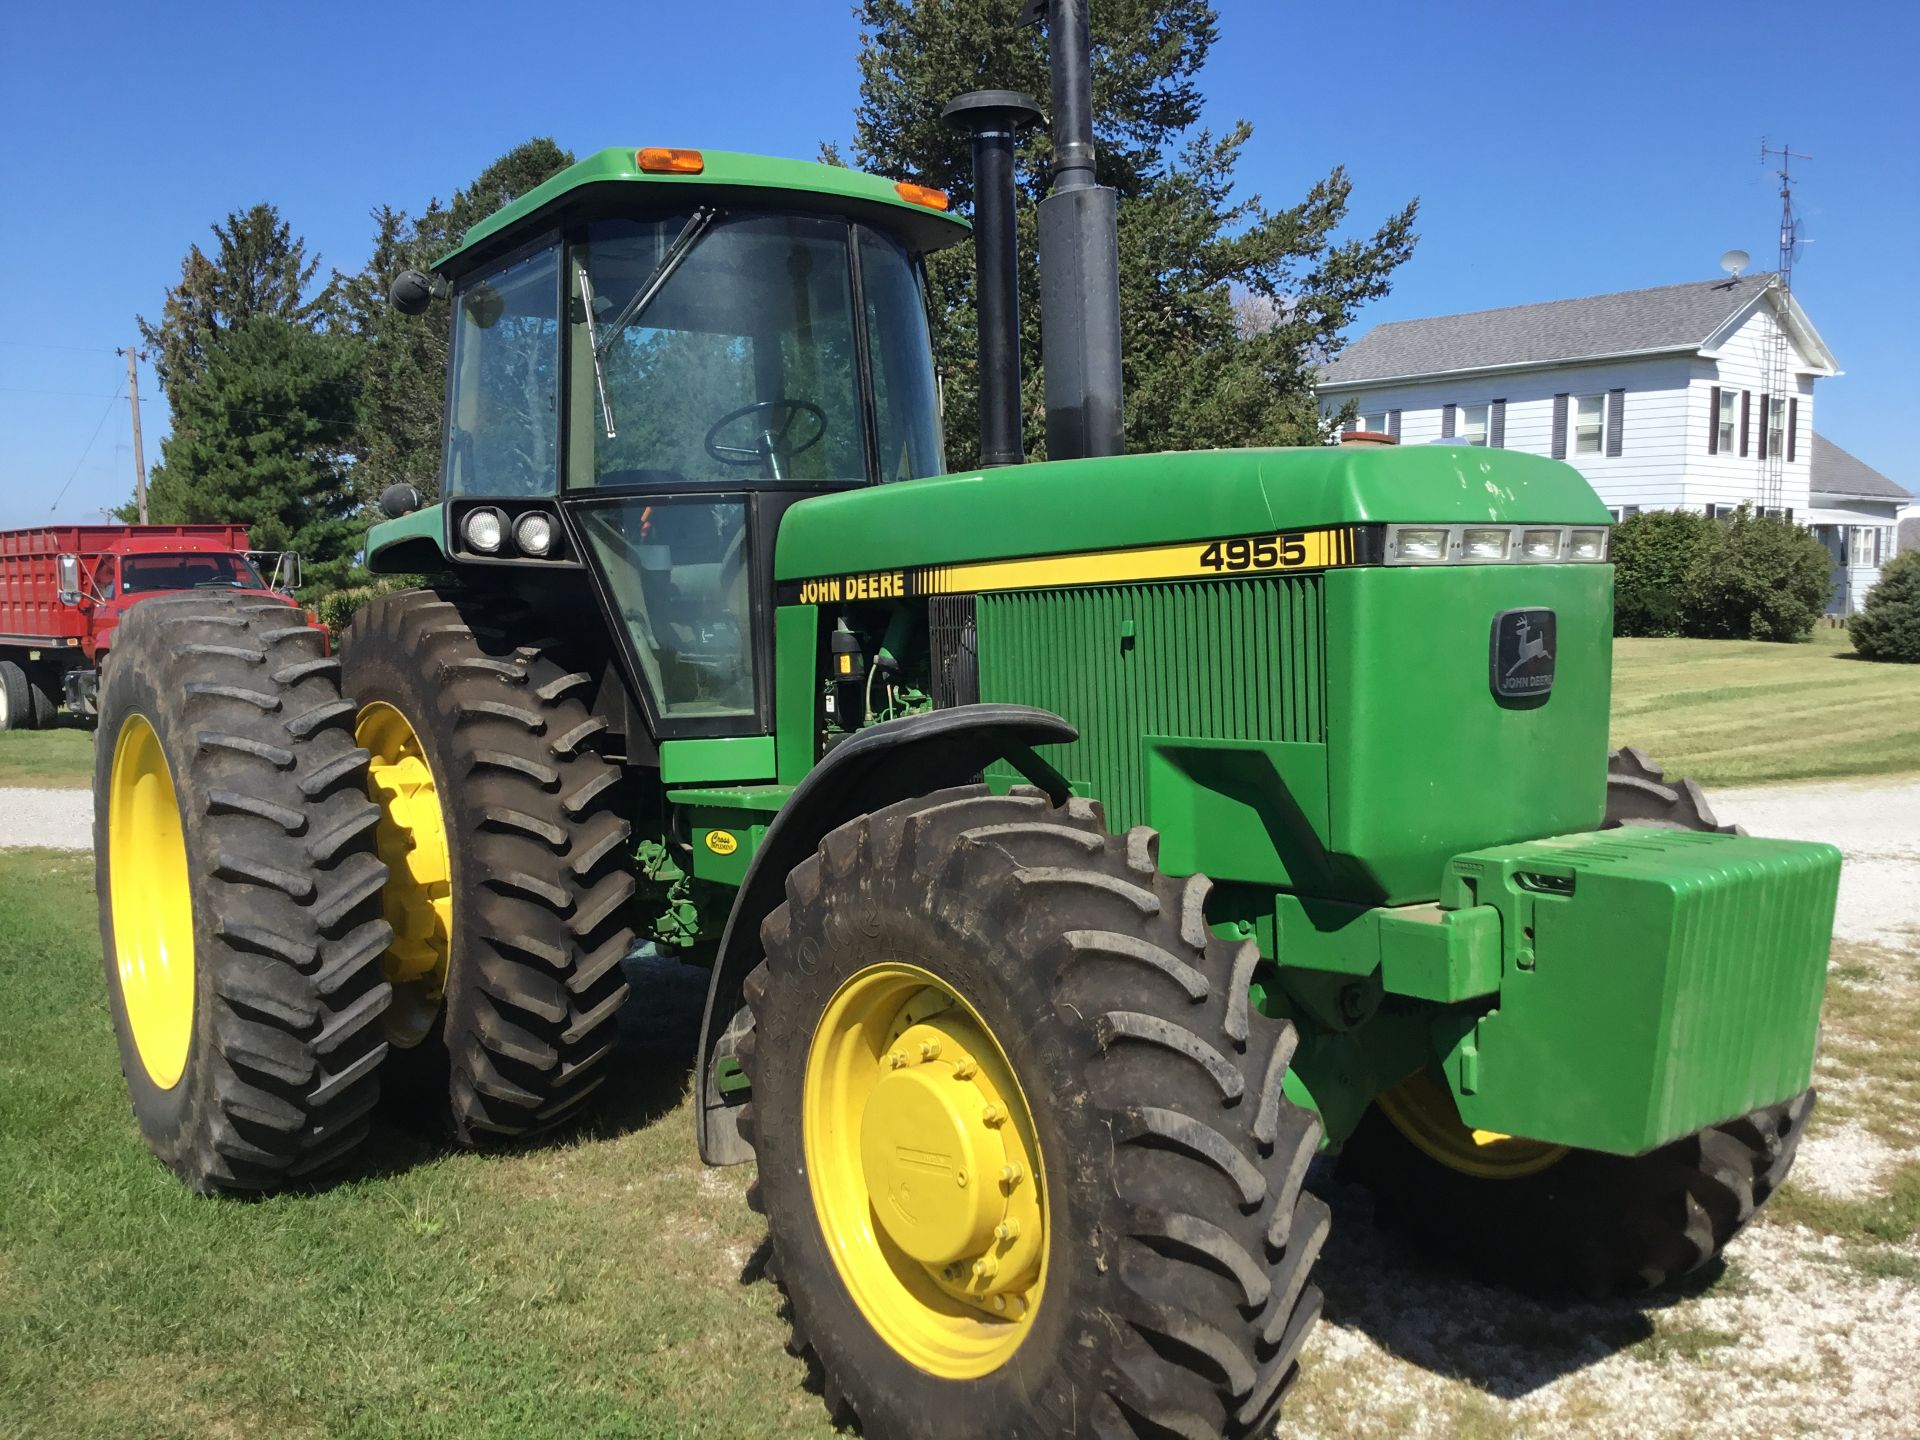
pixel 1079 848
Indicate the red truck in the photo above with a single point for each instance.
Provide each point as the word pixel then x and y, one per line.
pixel 63 589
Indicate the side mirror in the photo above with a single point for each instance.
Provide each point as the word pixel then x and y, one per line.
pixel 286 573
pixel 411 292
pixel 398 500
pixel 67 572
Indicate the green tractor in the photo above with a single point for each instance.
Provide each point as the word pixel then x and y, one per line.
pixel 1079 848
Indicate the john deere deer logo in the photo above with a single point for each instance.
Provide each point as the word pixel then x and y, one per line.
pixel 1523 654
pixel 1532 647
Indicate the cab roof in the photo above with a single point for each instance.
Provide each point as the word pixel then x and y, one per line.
pixel 599 183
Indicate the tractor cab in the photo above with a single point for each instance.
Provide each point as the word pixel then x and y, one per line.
pixel 656 353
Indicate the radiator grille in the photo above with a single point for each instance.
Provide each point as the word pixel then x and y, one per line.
pixel 956 651
pixel 1230 660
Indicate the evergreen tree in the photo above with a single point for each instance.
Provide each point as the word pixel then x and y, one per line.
pixel 404 360
pixel 259 267
pixel 261 439
pixel 1227 306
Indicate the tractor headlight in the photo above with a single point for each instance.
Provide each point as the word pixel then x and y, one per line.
pixel 484 530
pixel 1587 545
pixel 1539 545
pixel 1485 542
pixel 1417 544
pixel 533 533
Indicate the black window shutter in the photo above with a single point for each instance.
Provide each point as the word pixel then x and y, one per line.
pixel 1766 421
pixel 1746 405
pixel 1616 422
pixel 1793 425
pixel 1446 422
pixel 1713 423
pixel 1560 427
pixel 1497 425
pixel 1393 423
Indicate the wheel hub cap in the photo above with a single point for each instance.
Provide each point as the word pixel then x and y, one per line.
pixel 924 1166
pixel 150 903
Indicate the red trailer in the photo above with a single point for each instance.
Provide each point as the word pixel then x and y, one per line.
pixel 63 589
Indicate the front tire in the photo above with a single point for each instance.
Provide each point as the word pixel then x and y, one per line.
pixel 16 700
pixel 970 993
pixel 1554 1221
pixel 511 880
pixel 239 893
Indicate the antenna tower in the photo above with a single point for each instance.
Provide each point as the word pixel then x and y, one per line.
pixel 1773 439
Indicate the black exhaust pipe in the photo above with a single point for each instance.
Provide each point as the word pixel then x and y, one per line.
pixel 992 117
pixel 1079 258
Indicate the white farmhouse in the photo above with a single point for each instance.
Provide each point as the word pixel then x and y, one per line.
pixel 1696 396
pixel 1856 513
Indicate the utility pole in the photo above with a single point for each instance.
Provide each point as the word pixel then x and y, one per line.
pixel 139 456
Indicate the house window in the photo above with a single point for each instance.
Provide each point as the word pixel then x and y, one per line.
pixel 1589 424
pixel 1776 425
pixel 1373 421
pixel 1728 419
pixel 1473 425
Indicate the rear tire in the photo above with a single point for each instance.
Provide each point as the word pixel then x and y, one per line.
pixel 1173 1296
pixel 43 703
pixel 247 1008
pixel 16 702
pixel 1589 1224
pixel 540 878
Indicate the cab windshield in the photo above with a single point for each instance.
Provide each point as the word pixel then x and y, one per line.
pixel 722 350
pixel 146 574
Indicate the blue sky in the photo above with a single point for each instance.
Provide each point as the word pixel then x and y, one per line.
pixel 1557 151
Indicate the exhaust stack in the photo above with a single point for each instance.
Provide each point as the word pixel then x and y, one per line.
pixel 1079 258
pixel 992 117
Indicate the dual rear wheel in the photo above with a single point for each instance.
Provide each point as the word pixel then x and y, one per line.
pixel 304 896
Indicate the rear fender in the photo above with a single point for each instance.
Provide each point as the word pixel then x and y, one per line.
pixel 878 766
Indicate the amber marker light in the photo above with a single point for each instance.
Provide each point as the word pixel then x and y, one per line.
pixel 658 160
pixel 921 195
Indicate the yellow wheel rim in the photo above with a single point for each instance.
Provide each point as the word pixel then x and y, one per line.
pixel 152 909
pixel 926 1172
pixel 1422 1110
pixel 418 898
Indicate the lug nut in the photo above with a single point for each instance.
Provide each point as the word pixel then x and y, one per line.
pixel 1011 1175
pixel 964 1070
pixel 897 1059
pixel 1006 1230
pixel 993 1115
pixel 929 1049
pixel 985 1268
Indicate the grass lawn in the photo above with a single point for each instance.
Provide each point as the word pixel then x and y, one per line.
pixel 60 758
pixel 606 1286
pixel 1733 712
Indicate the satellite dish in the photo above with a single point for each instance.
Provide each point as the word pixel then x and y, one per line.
pixel 1734 261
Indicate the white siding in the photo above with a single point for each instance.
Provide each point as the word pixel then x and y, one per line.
pixel 1663 462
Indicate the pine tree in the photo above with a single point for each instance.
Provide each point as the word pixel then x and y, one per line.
pixel 1227 306
pixel 404 357
pixel 260 439
pixel 259 267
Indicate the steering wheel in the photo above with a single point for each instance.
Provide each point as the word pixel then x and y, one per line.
pixel 773 444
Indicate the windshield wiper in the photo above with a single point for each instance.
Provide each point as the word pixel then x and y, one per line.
pixel 593 339
pixel 677 252
pixel 601 342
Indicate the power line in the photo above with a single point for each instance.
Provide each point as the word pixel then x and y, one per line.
pixel 84 453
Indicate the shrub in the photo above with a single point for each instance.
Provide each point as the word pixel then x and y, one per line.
pixel 1888 626
pixel 1653 552
pixel 1765 579
pixel 336 607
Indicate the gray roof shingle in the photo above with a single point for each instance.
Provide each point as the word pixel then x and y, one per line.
pixel 1667 317
pixel 1835 472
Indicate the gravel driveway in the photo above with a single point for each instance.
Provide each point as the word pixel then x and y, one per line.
pixel 58 819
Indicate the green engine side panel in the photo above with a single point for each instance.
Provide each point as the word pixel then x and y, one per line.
pixel 1423 760
pixel 1654 982
pixel 413 542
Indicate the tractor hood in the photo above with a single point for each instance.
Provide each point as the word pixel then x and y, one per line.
pixel 1108 503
